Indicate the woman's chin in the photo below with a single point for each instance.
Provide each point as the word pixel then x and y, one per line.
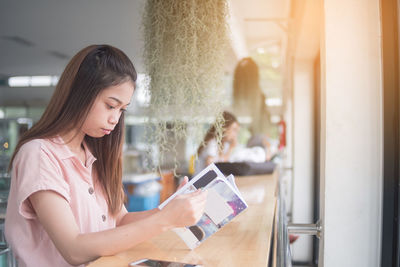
pixel 96 135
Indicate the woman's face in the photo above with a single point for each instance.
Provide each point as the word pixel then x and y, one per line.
pixel 231 132
pixel 107 109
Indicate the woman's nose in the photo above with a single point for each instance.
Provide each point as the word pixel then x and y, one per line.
pixel 113 119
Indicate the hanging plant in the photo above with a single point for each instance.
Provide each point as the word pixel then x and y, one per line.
pixel 184 52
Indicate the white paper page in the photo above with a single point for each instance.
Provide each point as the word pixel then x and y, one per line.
pixel 216 207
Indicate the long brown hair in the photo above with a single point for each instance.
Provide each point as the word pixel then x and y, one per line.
pixel 246 79
pixel 248 98
pixel 228 120
pixel 91 70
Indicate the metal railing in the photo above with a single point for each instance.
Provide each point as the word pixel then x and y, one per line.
pixel 284 229
pixel 284 255
pixel 305 229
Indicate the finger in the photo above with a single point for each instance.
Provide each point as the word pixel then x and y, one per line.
pixel 185 181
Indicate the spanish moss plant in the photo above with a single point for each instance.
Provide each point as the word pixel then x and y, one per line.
pixel 184 51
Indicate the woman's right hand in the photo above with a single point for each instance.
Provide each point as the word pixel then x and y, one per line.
pixel 185 209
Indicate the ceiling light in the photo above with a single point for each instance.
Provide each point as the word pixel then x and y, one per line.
pixel 275 63
pixel 20 81
pixel 273 102
pixel 275 119
pixel 261 50
pixel 32 81
pixel 54 80
pixel 40 80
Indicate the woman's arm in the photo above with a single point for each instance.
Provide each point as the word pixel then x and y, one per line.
pixel 224 157
pixel 125 217
pixel 55 215
pixel 210 160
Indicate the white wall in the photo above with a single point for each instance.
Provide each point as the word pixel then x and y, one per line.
pixel 303 154
pixel 351 133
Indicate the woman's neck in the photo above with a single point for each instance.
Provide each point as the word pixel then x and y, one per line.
pixel 73 140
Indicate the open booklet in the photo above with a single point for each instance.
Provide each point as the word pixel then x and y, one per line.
pixel 224 202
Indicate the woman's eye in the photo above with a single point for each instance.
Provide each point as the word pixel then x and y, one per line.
pixel 123 110
pixel 110 107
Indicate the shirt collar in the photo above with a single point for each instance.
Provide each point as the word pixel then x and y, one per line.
pixel 89 156
pixel 65 152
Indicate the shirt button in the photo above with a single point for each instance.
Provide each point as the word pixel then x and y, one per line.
pixel 103 217
pixel 91 190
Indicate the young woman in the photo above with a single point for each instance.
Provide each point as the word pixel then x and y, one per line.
pixel 209 151
pixel 66 198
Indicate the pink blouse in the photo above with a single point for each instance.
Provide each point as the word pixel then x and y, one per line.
pixel 48 164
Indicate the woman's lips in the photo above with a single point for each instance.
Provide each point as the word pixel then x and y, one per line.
pixel 106 131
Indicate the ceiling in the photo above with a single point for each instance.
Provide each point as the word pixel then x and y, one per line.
pixel 39 37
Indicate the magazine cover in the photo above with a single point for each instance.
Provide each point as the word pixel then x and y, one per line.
pixel 224 202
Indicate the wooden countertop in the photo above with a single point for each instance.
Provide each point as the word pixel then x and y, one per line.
pixel 245 241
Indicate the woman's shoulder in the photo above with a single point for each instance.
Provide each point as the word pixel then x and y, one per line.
pixel 31 145
pixel 41 151
pixel 38 145
pixel 34 144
